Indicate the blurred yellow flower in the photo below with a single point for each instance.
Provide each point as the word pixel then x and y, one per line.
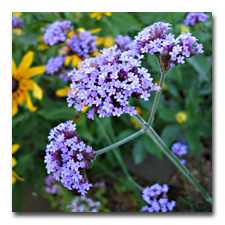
pixel 21 83
pixel 107 42
pixel 15 177
pixel 185 29
pixel 98 15
pixel 17 14
pixel 181 117
pixel 164 87
pixel 63 92
pixel 136 125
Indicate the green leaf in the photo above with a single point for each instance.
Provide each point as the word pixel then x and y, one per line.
pixel 201 65
pixel 125 21
pixel 193 140
pixel 170 134
pixel 138 152
pixel 167 115
pixel 206 89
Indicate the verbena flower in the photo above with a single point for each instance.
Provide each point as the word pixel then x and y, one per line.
pixel 193 18
pixel 17 22
pixel 54 65
pixel 67 157
pixel 124 42
pixel 50 185
pixel 179 150
pixel 156 197
pixel 83 204
pixel 82 44
pixel 155 40
pixel 57 32
pixel 106 82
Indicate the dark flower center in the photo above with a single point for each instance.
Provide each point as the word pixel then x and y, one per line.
pixel 15 84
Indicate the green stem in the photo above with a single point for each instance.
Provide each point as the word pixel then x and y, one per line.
pixel 117 144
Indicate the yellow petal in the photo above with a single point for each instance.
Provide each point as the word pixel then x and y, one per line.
pixel 14 162
pixel 99 16
pixel 27 84
pixel 95 53
pixel 16 177
pixel 63 92
pixel 109 41
pixel 84 110
pixel 15 148
pixel 75 60
pixel 17 14
pixel 17 31
pixel 67 61
pixel 21 96
pixel 80 29
pixel 33 71
pixel 108 13
pixel 42 47
pixel 30 106
pixel 14 70
pixel 93 15
pixel 26 62
pixel 70 33
pixel 37 92
pixel 96 30
pixel 14 107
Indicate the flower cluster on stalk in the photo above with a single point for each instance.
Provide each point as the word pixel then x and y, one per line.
pixel 50 185
pixel 172 51
pixel 67 157
pixel 54 65
pixel 17 22
pixel 179 150
pixel 83 204
pixel 156 197
pixel 57 32
pixel 106 82
pixel 193 18
pixel 124 43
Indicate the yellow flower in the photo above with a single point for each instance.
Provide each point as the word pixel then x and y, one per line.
pixel 15 177
pixel 181 117
pixel 107 42
pixel 17 14
pixel 98 15
pixel 62 92
pixel 21 83
pixel 185 29
pixel 139 111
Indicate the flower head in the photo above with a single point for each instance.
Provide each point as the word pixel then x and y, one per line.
pixel 17 22
pixel 106 82
pixel 82 44
pixel 181 117
pixel 50 185
pixel 54 65
pixel 67 157
pixel 155 40
pixel 179 150
pixel 124 42
pixel 21 83
pixel 156 197
pixel 83 204
pixel 193 18
pixel 57 32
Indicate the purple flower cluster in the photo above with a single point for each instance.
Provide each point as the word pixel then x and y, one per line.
pixel 54 65
pixel 82 44
pixel 63 76
pixel 83 204
pixel 50 185
pixel 156 197
pixel 193 18
pixel 57 32
pixel 67 157
pixel 124 42
pixel 179 150
pixel 17 22
pixel 155 40
pixel 106 82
